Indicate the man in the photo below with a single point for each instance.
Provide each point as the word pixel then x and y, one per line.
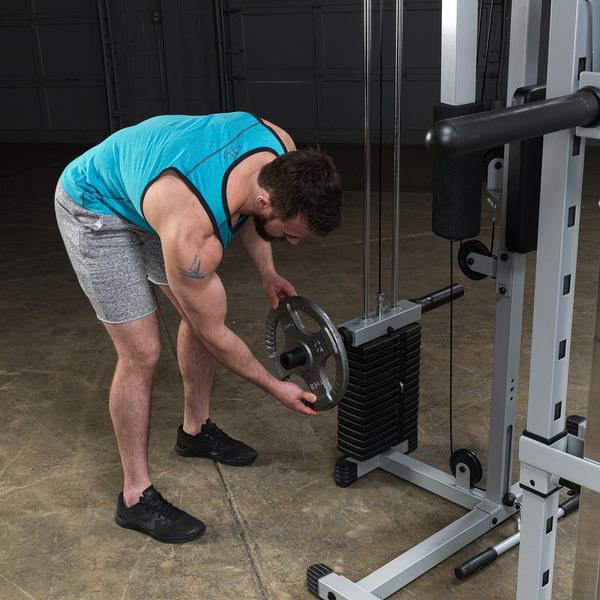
pixel 160 201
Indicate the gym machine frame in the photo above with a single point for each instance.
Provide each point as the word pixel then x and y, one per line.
pixel 547 451
pixel 550 454
pixel 500 501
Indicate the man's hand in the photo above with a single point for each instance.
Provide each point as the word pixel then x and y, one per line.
pixel 292 396
pixel 276 287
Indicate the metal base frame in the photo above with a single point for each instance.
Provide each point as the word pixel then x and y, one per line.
pixel 482 516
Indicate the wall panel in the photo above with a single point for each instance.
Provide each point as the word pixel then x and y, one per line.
pixel 52 85
pixel 297 45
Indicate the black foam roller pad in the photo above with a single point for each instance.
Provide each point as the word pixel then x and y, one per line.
pixel 456 210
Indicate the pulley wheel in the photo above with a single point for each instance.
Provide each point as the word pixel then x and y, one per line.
pixel 469 459
pixel 465 249
pixel 304 352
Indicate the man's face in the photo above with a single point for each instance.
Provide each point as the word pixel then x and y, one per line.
pixel 274 229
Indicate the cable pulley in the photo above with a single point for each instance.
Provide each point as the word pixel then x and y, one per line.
pixel 464 456
pixel 464 262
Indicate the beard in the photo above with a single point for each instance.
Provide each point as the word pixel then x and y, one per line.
pixel 259 225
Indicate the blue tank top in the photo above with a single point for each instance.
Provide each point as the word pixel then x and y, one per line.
pixel 112 177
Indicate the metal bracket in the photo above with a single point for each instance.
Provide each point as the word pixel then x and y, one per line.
pixel 495 173
pixel 366 330
pixel 548 459
pixel 463 476
pixel 486 265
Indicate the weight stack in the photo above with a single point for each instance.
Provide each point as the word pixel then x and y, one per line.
pixel 381 404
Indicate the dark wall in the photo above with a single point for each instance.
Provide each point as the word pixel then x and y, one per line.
pixel 74 70
pixel 171 51
pixel 51 71
pixel 301 64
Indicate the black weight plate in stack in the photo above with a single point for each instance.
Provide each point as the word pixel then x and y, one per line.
pixel 381 404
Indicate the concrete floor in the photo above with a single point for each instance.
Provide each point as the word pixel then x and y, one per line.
pixel 59 468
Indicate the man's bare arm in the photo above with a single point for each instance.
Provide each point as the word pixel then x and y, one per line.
pixel 191 274
pixel 259 250
pixel 192 278
pixel 274 286
pixel 192 254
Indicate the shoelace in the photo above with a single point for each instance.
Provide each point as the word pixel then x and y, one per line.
pixel 219 436
pixel 161 507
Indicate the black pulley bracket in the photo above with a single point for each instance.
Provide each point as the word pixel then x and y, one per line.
pixel 466 248
pixel 304 352
pixel 469 459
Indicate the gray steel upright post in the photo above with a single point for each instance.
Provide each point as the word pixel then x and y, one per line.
pixel 560 200
pixel 459 52
pixel 525 22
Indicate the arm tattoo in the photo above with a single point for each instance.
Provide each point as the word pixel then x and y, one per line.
pixel 194 271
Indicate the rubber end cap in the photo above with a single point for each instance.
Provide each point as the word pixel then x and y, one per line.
pixel 346 472
pixel 479 561
pixel 442 139
pixel 313 574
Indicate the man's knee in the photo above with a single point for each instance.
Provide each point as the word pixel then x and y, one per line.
pixel 138 355
pixel 137 343
pixel 144 356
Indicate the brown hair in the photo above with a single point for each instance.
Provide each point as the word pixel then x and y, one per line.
pixel 305 182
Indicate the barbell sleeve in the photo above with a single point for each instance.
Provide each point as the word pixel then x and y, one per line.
pixel 475 563
pixel 489 555
pixel 569 506
pixel 470 133
pixel 440 297
pixel 296 357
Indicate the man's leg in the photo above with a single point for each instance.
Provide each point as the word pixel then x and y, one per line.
pixel 137 344
pixel 141 507
pixel 106 256
pixel 199 436
pixel 197 368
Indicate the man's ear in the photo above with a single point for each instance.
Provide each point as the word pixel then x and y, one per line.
pixel 263 201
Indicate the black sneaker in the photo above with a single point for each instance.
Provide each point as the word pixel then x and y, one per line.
pixel 158 518
pixel 213 443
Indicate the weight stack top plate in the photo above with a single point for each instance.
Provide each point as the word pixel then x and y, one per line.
pixel 380 407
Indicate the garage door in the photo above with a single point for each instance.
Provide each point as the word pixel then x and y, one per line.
pixel 52 75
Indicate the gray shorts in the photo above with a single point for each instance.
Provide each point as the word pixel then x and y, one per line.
pixel 113 260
